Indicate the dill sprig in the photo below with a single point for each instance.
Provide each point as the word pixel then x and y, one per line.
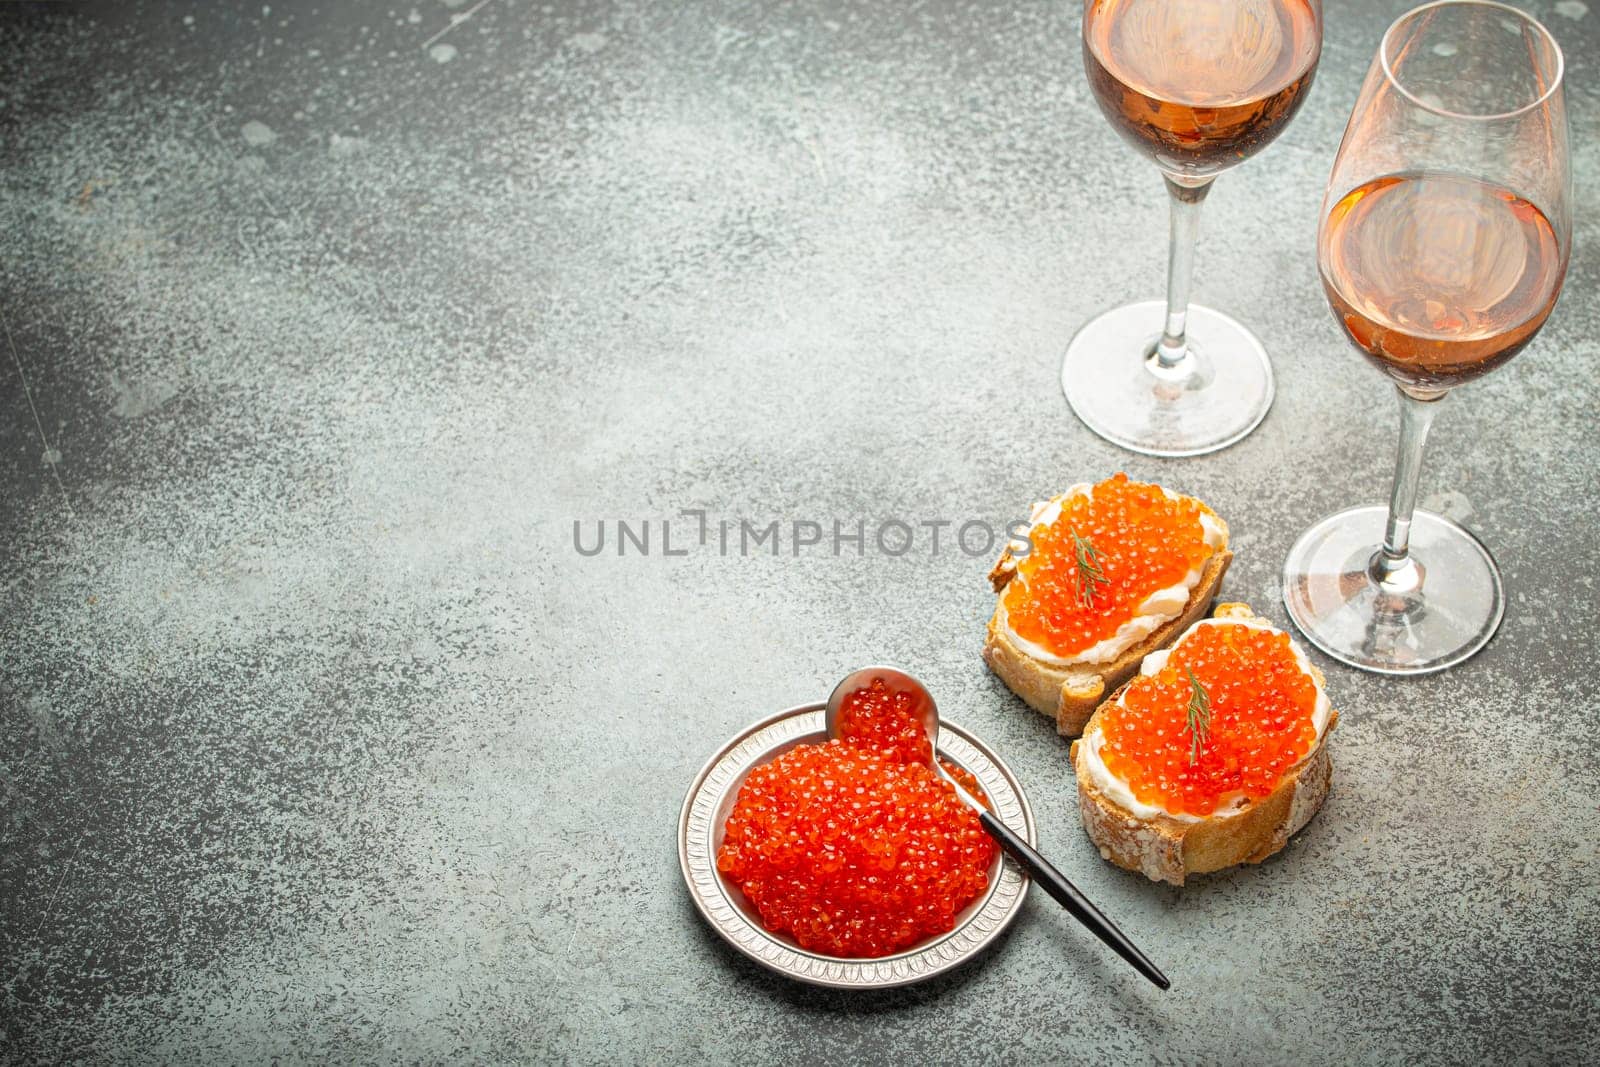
pixel 1199 716
pixel 1088 572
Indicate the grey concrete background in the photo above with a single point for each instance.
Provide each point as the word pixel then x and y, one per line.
pixel 323 325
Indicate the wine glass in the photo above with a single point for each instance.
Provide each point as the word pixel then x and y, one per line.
pixel 1444 241
pixel 1196 85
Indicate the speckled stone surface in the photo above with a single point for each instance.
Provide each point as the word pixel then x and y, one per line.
pixel 324 325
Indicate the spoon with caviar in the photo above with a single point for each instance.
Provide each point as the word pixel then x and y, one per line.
pixel 871 704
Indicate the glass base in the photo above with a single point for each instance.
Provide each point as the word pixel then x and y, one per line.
pixel 1119 389
pixel 1439 614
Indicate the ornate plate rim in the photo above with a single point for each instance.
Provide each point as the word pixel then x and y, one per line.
pixel 696 830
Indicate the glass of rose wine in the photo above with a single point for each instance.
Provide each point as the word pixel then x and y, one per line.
pixel 1444 241
pixel 1197 86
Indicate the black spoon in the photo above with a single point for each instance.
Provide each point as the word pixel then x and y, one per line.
pixel 1055 883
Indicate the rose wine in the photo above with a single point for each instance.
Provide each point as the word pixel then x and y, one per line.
pixel 1439 279
pixel 1200 84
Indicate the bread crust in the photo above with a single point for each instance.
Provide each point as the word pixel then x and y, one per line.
pixel 1069 694
pixel 1165 849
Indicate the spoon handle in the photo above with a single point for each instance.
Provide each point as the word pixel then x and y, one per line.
pixel 1067 895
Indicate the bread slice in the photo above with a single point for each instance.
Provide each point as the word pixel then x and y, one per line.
pixel 1169 850
pixel 1069 694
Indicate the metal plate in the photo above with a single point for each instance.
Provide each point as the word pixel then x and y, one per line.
pixel 711 798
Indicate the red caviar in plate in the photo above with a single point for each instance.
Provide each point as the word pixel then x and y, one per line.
pixel 1143 541
pixel 853 846
pixel 1260 725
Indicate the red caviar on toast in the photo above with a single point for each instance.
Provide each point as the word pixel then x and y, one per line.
pixel 1139 541
pixel 1259 724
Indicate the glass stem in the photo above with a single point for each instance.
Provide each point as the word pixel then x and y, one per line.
pixel 1392 566
pixel 1187 194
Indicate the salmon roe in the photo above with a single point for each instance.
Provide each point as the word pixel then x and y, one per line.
pixel 853 846
pixel 885 720
pixel 1142 541
pixel 1260 724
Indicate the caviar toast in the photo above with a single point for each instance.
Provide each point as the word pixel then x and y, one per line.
pixel 1212 756
pixel 1114 571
